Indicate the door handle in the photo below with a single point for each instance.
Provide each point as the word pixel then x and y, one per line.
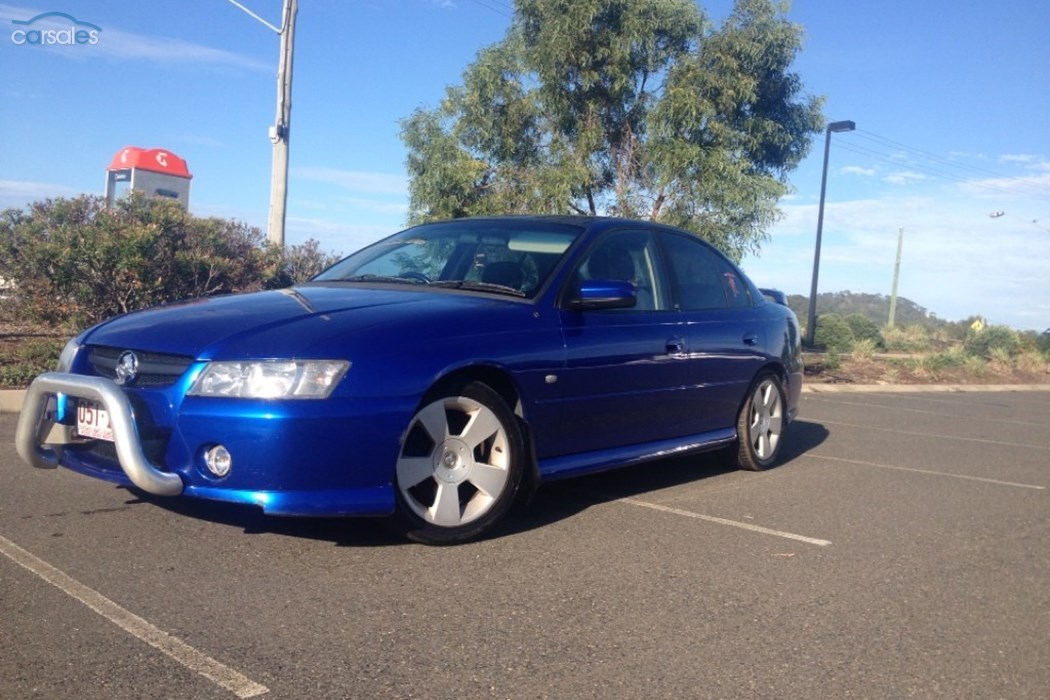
pixel 750 338
pixel 676 346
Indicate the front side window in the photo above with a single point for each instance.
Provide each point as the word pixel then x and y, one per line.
pixel 628 256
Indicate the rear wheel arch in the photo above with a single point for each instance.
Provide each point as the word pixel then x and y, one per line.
pixel 761 421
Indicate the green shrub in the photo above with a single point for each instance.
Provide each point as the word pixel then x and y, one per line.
pixel 933 364
pixel 864 329
pixel 1032 362
pixel 1042 343
pixel 1001 341
pixel 913 338
pixel 833 333
pixel 865 349
pixel 29 360
pixel 977 366
pixel 77 261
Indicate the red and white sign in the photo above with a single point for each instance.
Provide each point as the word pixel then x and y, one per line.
pixel 157 160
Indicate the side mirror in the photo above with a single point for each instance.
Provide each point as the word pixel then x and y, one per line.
pixel 604 294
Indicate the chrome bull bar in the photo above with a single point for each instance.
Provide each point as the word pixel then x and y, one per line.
pixel 35 422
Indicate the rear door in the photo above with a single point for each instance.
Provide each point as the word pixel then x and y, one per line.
pixel 723 327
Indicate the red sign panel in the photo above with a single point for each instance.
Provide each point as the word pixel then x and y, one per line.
pixel 156 160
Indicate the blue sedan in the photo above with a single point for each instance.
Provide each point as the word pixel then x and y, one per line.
pixel 437 374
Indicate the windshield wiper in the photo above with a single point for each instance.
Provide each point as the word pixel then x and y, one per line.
pixel 478 287
pixel 380 279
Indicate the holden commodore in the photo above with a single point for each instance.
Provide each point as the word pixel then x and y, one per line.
pixel 438 375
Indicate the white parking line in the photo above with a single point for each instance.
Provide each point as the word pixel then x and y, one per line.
pixel 986 480
pixel 723 521
pixel 220 674
pixel 937 435
pixel 827 398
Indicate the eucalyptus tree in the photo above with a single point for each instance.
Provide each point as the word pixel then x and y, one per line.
pixel 634 108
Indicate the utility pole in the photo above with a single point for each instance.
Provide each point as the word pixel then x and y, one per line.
pixel 896 276
pixel 281 129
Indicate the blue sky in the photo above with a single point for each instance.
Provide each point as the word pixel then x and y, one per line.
pixel 951 100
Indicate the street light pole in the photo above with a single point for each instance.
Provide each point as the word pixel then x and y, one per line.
pixel 811 322
pixel 281 129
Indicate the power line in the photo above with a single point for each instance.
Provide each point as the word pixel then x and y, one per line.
pixel 935 165
pixel 871 136
pixel 925 169
pixel 500 8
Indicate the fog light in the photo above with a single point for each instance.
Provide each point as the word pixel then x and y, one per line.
pixel 218 461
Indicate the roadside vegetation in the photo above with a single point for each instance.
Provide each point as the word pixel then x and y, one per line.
pixel 66 264
pixel 853 348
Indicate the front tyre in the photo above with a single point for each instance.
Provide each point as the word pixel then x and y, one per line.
pixel 460 465
pixel 760 424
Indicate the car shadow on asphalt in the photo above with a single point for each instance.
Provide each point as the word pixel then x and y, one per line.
pixel 549 504
pixel 561 500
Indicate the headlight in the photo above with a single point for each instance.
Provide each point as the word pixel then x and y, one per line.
pixel 270 379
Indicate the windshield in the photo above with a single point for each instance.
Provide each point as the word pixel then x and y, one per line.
pixel 507 256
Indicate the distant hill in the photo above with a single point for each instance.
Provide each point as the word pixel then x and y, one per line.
pixel 875 307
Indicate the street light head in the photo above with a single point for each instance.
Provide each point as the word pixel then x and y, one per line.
pixel 837 127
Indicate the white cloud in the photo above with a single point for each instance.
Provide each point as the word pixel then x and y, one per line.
pixel 904 177
pixel 379 207
pixel 857 170
pixel 1009 189
pixel 956 260
pixel 1022 158
pixel 16 194
pixel 356 180
pixel 121 45
pixel 334 236
pixel 159 49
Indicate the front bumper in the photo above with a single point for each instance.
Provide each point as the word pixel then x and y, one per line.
pixel 297 458
pixel 36 420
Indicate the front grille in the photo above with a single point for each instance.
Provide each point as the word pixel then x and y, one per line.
pixel 155 449
pixel 155 369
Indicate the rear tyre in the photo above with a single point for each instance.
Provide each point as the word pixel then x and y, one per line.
pixel 760 424
pixel 460 466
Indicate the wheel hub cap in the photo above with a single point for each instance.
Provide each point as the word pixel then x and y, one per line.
pixel 451 461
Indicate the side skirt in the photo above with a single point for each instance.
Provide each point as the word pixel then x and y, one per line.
pixel 566 466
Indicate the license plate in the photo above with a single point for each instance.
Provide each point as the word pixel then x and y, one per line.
pixel 93 421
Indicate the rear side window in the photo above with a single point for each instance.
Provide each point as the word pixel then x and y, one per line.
pixel 696 273
pixel 702 278
pixel 737 293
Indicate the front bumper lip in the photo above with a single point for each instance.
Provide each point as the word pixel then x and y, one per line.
pixel 35 422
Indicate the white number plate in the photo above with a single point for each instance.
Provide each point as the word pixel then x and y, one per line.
pixel 93 421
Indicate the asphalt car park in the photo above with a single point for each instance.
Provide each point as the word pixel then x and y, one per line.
pixel 902 549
